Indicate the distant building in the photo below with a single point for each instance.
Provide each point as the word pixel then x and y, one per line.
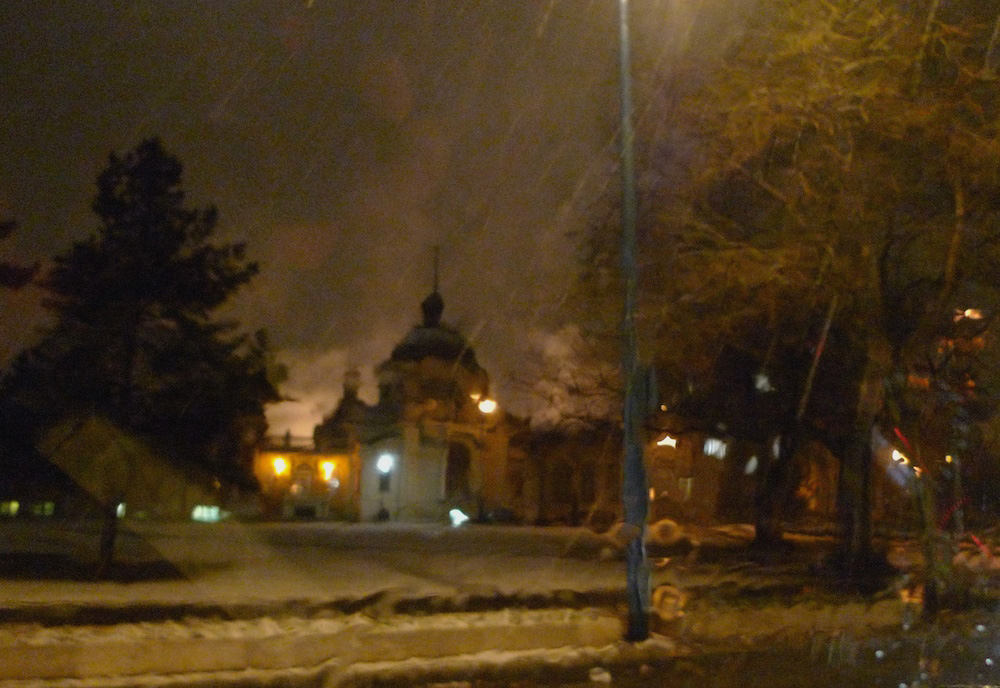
pixel 434 441
pixel 567 475
pixel 299 481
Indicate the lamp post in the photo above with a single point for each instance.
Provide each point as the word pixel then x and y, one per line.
pixel 635 497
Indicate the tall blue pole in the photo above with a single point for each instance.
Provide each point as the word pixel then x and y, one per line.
pixel 634 485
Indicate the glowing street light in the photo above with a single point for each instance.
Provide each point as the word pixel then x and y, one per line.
pixel 487 406
pixel 385 464
pixel 280 466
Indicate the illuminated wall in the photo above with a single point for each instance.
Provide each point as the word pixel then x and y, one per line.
pixel 308 484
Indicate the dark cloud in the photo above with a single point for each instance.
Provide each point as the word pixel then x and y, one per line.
pixel 342 140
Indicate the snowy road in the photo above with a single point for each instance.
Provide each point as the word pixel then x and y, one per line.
pixel 264 563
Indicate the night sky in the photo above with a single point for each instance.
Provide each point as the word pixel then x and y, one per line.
pixel 342 139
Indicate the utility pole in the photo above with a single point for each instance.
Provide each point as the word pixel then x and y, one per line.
pixel 634 484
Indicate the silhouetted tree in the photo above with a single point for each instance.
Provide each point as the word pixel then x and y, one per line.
pixel 134 339
pixel 13 275
pixel 841 154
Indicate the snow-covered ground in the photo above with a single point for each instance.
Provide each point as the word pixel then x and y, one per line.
pixel 233 563
pixel 305 597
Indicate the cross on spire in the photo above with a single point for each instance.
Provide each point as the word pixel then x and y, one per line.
pixel 433 305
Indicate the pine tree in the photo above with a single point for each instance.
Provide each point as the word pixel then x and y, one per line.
pixel 134 339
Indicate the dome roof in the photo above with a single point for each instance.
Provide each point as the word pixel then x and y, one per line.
pixel 437 342
pixel 434 339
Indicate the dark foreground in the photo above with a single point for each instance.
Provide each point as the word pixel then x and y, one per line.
pixel 765 669
pixel 957 653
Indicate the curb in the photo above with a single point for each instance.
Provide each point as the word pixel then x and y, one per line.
pixel 171 651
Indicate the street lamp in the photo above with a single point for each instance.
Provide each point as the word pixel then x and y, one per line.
pixel 634 484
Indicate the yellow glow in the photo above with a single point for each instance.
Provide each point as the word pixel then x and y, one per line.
pixel 652 493
pixel 476 396
pixel 487 406
pixel 948 459
pixel 280 466
pixel 327 468
pixel 667 441
pixel 899 457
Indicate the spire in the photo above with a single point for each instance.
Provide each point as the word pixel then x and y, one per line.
pixel 437 262
pixel 433 305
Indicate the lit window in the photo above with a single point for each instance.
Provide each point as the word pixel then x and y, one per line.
pixel 327 468
pixel 667 441
pixel 280 466
pixel 970 313
pixel 44 509
pixel 457 517
pixel 120 510
pixel 715 447
pixel 9 508
pixel 751 466
pixel 206 514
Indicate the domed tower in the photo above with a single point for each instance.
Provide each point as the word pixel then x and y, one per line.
pixel 433 372
pixel 429 446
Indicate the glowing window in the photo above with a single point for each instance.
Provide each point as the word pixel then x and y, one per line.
pixel 206 514
pixel 327 468
pixel 667 441
pixel 715 447
pixel 44 509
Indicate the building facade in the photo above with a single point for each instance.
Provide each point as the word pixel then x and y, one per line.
pixel 434 441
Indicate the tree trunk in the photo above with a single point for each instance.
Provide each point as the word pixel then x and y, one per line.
pixel 770 491
pixel 109 533
pixel 855 484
